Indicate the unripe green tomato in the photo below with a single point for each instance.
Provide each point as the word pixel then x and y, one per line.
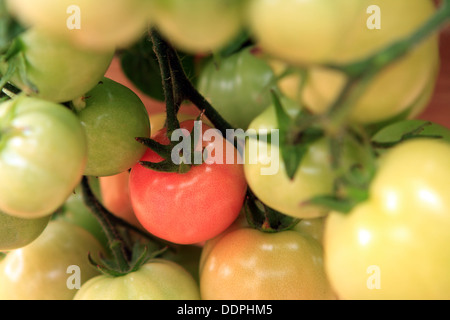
pixel 52 266
pixel 335 32
pixel 156 280
pixel 43 152
pixel 55 69
pixel 113 116
pixel 99 25
pixel 17 232
pixel 238 86
pixel 266 174
pixel 198 26
pixel 394 245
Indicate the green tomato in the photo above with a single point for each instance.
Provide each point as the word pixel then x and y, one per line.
pixel 238 86
pixel 100 25
pixel 51 267
pixel 17 232
pixel 156 280
pixel 113 116
pixel 394 245
pixel 55 70
pixel 42 156
pixel 266 175
pixel 198 26
pixel 340 36
pixel 249 264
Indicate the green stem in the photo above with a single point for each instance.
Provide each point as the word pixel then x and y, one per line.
pixel 182 87
pixel 161 49
pixel 121 253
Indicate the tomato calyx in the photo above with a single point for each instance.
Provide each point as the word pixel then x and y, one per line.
pixel 261 217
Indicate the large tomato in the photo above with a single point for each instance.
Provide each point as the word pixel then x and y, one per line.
pixel 113 116
pixel 394 245
pixel 246 263
pixel 43 156
pixel 54 69
pixel 189 207
pixel 266 174
pixel 238 86
pixel 341 35
pixel 198 26
pixel 156 280
pixel 51 267
pixel 99 25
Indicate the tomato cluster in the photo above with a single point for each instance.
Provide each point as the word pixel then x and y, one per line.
pixel 303 173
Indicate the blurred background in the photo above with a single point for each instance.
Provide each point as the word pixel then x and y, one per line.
pixel 438 110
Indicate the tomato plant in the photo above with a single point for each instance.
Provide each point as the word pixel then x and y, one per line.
pixel 177 206
pixel 113 116
pixel 156 280
pixel 119 24
pixel 313 173
pixel 373 252
pixel 39 271
pixel 38 169
pixel 242 79
pixel 53 69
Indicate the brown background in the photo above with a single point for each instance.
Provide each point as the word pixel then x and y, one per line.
pixel 437 111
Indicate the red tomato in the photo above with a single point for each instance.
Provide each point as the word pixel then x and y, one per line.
pixel 188 208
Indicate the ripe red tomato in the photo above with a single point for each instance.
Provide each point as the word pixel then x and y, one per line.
pixel 192 207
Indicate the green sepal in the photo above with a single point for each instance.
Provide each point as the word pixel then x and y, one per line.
pixel 164 151
pixel 266 219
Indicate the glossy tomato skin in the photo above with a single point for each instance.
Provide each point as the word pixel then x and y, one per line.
pixel 103 25
pixel 250 264
pixel 198 26
pixel 190 207
pixel 59 70
pixel 238 86
pixel 156 280
pixel 266 174
pixel 17 232
pixel 113 116
pixel 39 271
pixel 392 246
pixel 344 38
pixel 42 158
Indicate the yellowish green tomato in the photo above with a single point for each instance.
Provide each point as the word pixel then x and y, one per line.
pixel 54 69
pixel 198 26
pixel 17 232
pixel 394 245
pixel 336 32
pixel 43 154
pixel 51 267
pixel 100 25
pixel 247 264
pixel 156 280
